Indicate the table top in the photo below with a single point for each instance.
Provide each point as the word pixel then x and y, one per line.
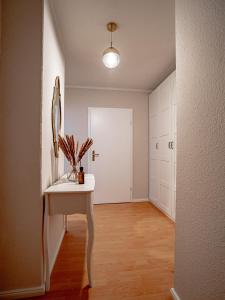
pixel 63 185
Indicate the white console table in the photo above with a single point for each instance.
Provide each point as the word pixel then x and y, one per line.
pixel 67 198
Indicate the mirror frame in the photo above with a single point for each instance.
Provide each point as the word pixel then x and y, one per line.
pixel 56 94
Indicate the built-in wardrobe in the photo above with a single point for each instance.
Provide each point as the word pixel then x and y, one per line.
pixel 162 147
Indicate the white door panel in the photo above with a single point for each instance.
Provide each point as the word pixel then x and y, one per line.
pixel 153 105
pixel 164 151
pixel 111 130
pixel 174 148
pixel 154 126
pixel 165 95
pixel 165 198
pixel 154 169
pixel 165 173
pixel 174 121
pixel 154 151
pixel 164 123
pixel 162 131
pixel 174 176
pixel 174 205
pixel 173 88
pixel 154 190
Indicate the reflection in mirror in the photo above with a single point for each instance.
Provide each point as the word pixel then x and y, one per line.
pixel 56 115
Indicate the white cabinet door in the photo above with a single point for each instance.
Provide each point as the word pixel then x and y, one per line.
pixel 162 158
pixel 165 155
pixel 153 146
pixel 174 139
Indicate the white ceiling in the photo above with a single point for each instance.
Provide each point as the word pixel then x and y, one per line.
pixel 145 39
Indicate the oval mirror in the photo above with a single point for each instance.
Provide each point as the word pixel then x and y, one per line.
pixel 56 115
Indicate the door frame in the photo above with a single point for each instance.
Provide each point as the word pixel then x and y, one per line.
pixel 131 141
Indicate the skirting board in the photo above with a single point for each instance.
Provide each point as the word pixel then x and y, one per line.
pixel 56 251
pixel 128 201
pixel 174 294
pixel 140 200
pixel 23 293
pixel 35 291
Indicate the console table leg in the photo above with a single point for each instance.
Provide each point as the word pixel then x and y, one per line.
pixel 90 221
pixel 66 224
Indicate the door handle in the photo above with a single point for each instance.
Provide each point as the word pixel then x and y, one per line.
pixel 170 145
pixel 157 146
pixel 94 155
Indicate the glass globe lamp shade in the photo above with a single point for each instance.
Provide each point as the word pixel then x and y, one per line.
pixel 111 57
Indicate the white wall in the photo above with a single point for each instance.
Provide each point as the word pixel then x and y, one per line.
pixel 200 219
pixel 31 58
pixel 20 144
pixel 77 102
pixel 52 168
pixel 0 26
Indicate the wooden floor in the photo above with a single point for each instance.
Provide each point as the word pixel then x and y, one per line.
pixel 133 256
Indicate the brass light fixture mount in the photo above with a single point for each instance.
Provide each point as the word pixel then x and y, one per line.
pixel 112 26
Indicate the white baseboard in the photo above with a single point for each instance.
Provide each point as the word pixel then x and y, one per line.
pixel 34 291
pixel 174 294
pixel 140 200
pixel 162 210
pixel 23 293
pixel 52 263
pixel 127 201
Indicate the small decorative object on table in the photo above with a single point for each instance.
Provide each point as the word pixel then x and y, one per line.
pixel 81 176
pixel 73 154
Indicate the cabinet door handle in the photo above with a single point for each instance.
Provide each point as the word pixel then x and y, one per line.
pixel 169 145
pixel 157 146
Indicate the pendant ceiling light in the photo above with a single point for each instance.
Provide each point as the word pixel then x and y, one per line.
pixel 111 56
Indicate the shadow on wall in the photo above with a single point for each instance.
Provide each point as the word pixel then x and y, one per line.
pixel 54 165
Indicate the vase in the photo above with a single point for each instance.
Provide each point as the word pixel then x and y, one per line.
pixel 72 175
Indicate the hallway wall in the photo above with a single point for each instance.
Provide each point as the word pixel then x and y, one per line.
pixel 52 168
pixel 30 59
pixel 77 102
pixel 200 216
pixel 20 145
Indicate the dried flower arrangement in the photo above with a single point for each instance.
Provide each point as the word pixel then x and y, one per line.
pixel 71 150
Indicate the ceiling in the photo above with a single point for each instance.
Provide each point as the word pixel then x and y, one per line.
pixel 145 39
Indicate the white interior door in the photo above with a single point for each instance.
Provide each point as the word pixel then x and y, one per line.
pixel 165 154
pixel 111 131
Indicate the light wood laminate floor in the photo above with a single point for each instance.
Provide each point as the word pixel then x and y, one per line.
pixel 133 256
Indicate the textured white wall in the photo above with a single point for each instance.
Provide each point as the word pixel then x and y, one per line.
pixel 52 168
pixel 20 144
pixel 200 221
pixel 77 102
pixel 30 60
pixel 0 26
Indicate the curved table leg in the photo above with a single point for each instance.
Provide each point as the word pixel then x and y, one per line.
pixel 66 223
pixel 90 221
